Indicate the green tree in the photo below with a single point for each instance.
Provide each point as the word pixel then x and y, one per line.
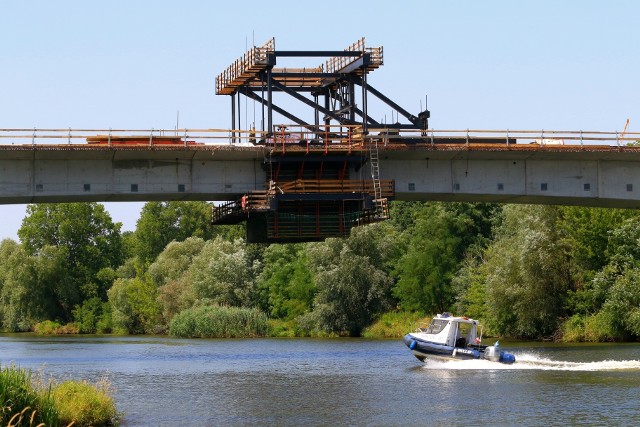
pixel 285 284
pixel 94 315
pixel 223 273
pixel 436 245
pixel 527 272
pixel 403 215
pixel 170 275
pixel 587 232
pixel 89 240
pixel 134 306
pixel 623 302
pixel 175 260
pixel 353 287
pixel 609 302
pixel 468 285
pixel 163 222
pixel 32 288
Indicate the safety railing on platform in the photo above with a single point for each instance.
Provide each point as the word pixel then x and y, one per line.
pixel 337 63
pixel 310 138
pixel 227 213
pixel 253 61
pixel 334 186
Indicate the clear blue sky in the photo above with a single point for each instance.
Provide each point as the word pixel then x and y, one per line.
pixel 543 64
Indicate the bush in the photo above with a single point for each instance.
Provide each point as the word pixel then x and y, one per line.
pixel 285 329
pixel 30 401
pixel 85 404
pixel 22 403
pixel 93 316
pixel 573 329
pixel 219 322
pixel 49 327
pixel 601 327
pixel 395 324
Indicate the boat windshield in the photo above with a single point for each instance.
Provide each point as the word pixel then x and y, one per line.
pixel 436 326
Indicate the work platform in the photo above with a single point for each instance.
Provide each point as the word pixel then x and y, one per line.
pixel 250 71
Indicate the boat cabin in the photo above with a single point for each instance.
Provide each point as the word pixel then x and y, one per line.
pixel 452 331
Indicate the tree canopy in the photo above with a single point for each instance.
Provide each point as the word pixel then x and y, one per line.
pixel 522 270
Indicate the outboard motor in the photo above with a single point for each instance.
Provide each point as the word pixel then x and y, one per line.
pixel 494 354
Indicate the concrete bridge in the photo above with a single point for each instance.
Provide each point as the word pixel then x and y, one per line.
pixel 572 168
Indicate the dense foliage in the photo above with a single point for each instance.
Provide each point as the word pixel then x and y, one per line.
pixel 525 271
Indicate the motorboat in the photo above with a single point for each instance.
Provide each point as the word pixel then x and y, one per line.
pixel 453 338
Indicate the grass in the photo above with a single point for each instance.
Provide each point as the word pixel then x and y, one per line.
pixel 28 400
pixel 85 404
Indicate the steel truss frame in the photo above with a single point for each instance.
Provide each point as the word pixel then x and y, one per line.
pixel 331 89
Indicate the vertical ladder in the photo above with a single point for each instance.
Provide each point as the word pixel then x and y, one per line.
pixel 374 158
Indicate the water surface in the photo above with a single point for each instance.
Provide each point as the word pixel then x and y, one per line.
pixel 166 382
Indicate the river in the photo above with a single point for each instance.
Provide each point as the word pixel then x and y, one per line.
pixel 162 381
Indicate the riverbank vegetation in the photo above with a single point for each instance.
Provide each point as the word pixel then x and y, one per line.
pixel 526 271
pixel 29 400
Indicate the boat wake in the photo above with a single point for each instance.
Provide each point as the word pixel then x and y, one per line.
pixel 531 361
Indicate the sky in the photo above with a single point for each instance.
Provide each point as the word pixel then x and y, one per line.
pixel 544 64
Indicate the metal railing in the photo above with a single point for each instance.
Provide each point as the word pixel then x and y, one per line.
pixel 252 61
pixel 335 64
pixel 324 137
pixel 133 137
pixel 540 138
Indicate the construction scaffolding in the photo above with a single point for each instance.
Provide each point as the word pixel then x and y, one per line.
pixel 315 180
pixel 255 76
pixel 312 190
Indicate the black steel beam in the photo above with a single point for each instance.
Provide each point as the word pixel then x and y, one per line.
pixel 269 101
pixel 413 119
pixel 309 102
pixel 293 88
pixel 275 108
